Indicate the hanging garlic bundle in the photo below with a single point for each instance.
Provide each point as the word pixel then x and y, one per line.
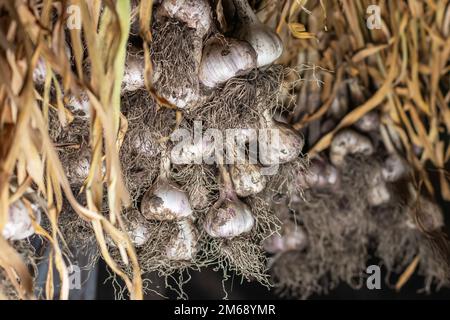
pixel 224 59
pixel 165 200
pixel 292 237
pixel 19 225
pixel 348 142
pixel 229 217
pixel 266 43
pixel 183 246
pixel 281 143
pixel 247 179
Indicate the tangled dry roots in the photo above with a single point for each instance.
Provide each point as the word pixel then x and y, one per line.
pixel 28 254
pixel 173 50
pixel 240 102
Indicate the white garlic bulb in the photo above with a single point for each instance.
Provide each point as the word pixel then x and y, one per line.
pixel 138 232
pixel 267 44
pixel 280 143
pixel 247 179
pixel 165 200
pixel 183 246
pixel 196 14
pixel 349 142
pixel 133 77
pixel 395 168
pixel 292 237
pixel 225 59
pixel 229 217
pixel 369 122
pixel 19 225
pixel 189 152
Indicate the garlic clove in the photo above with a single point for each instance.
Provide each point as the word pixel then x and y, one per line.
pixel 349 142
pixel 183 246
pixel 19 225
pixel 247 179
pixel 395 168
pixel 223 60
pixel 196 14
pixel 165 201
pixel 230 220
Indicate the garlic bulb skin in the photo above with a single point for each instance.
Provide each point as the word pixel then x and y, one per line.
pixel 183 245
pixel 230 220
pixel 247 179
pixel 292 237
pixel 19 225
pixel 165 201
pixel 395 168
pixel 349 142
pixel 225 59
pixel 196 14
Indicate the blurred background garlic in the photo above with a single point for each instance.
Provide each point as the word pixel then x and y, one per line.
pixel 425 215
pixel 229 217
pixel 19 225
pixel 291 237
pixel 165 200
pixel 348 142
pixel 247 179
pixel 378 192
pixel 395 168
pixel 279 142
pixel 266 43
pixel 183 246
pixel 196 14
pixel 368 122
pixel 320 175
pixel 224 59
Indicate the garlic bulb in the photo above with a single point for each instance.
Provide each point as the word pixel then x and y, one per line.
pixel 133 77
pixel 247 179
pixel 292 237
pixel 165 200
pixel 229 217
pixel 196 14
pixel 320 175
pixel 369 122
pixel 192 152
pixel 225 59
pixel 378 192
pixel 267 44
pixel 429 215
pixel 78 169
pixel 395 168
pixel 280 144
pixel 79 103
pixel 19 225
pixel 138 232
pixel 349 142
pixel 183 245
